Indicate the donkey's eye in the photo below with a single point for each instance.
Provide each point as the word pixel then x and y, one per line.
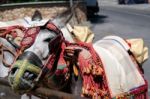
pixel 47 39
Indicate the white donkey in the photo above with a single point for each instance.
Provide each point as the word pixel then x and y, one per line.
pixel 27 22
pixel 122 73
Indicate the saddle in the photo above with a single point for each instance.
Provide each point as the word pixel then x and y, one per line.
pixel 90 63
pixel 84 62
pixel 122 70
pixel 80 60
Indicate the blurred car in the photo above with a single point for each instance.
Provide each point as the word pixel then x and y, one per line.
pixel 132 1
pixel 92 7
pixel 121 1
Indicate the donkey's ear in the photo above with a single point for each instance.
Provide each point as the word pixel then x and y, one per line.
pixel 37 16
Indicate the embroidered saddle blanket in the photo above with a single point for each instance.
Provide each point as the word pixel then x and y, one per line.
pixel 122 73
pixel 119 68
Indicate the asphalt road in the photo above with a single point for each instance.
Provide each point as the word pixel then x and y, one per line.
pixel 126 23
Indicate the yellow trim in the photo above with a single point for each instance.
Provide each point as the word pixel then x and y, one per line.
pixel 24 65
pixel 19 73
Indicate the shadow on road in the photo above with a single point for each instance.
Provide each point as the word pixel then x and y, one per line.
pixel 97 19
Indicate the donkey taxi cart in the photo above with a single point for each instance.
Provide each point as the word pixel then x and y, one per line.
pixel 107 69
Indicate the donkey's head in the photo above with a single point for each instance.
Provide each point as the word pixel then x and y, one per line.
pixel 30 63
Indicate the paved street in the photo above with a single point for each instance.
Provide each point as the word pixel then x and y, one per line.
pixel 126 22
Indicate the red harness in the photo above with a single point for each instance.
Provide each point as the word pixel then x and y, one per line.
pixel 58 46
pixel 29 37
pixel 8 30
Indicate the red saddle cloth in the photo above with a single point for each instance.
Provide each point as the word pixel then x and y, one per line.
pixel 84 62
pixel 90 68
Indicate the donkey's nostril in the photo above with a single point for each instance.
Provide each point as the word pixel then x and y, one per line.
pixel 31 76
pixel 26 74
pixel 13 71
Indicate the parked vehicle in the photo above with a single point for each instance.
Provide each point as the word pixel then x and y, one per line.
pixel 132 1
pixel 121 1
pixel 92 7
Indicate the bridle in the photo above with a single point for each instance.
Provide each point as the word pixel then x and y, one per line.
pixel 55 49
pixel 49 66
pixel 7 30
pixel 27 41
pixel 29 37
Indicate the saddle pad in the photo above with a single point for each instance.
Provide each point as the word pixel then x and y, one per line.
pixel 121 72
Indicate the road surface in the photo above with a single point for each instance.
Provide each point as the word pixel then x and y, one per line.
pixel 125 22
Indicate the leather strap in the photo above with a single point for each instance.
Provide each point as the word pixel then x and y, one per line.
pixel 49 65
pixel 9 50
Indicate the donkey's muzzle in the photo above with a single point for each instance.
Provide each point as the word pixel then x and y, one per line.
pixel 23 75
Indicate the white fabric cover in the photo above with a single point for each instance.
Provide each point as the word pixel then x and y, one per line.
pixel 121 72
